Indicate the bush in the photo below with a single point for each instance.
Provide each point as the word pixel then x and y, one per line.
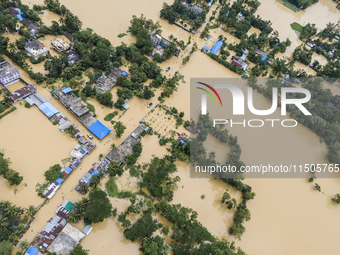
pixel 27 105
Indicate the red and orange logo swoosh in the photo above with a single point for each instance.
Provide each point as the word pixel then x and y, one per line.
pixel 208 92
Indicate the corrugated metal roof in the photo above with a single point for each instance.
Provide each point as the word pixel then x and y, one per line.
pixel 67 90
pixel 68 169
pixel 87 230
pixel 48 109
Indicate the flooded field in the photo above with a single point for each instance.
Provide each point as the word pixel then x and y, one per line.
pixel 284 210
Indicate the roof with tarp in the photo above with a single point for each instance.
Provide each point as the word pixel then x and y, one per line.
pixel 216 47
pixel 48 109
pixel 99 129
pixel 32 251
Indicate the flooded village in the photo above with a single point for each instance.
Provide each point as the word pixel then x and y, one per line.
pixel 48 124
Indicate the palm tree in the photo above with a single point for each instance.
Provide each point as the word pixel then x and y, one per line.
pixel 71 130
pixel 84 188
pixel 126 223
pixel 17 211
pixel 113 146
pixel 26 67
pixel 73 217
pixel 212 155
pixel 5 205
pixel 31 210
pixel 12 47
pixel 171 37
pixel 3 221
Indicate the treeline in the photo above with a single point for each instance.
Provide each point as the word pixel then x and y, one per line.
pixel 303 4
pixel 184 15
pixel 8 173
pixel 13 220
pixel 189 236
pixel 228 16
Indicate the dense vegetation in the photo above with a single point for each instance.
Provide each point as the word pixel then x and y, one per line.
pixel 8 173
pixel 98 208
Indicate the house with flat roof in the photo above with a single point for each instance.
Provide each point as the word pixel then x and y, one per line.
pixel 35 48
pixel 33 28
pixel 8 73
pixel 59 45
pixel 72 57
pixel 106 83
pixel 120 153
pixel 68 238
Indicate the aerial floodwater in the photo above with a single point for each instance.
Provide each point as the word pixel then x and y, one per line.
pixel 288 215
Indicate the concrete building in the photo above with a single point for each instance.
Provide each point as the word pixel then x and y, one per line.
pixel 8 73
pixel 126 148
pixel 35 48
pixel 74 104
pixel 68 238
pixel 106 83
pixel 59 45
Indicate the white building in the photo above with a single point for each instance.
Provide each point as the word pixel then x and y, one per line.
pixel 8 73
pixel 35 49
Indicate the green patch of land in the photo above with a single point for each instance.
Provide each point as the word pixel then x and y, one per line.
pixel 289 5
pixel 296 26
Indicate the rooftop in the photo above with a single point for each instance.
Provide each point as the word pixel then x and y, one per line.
pixel 23 92
pixel 126 148
pixel 68 238
pixel 34 44
pixel 6 68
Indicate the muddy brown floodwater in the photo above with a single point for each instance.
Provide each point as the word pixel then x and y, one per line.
pixel 288 216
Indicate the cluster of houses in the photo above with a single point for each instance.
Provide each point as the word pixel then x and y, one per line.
pixel 160 44
pixel 80 111
pixel 118 154
pixel 106 83
pixel 313 44
pixel 8 75
pixel 21 16
pixel 59 45
pixel 58 236
pixel 183 137
pixel 56 117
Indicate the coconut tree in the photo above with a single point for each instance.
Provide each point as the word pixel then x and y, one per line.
pixel 31 210
pixel 26 67
pixel 3 221
pixel 73 217
pixel 12 47
pixel 5 205
pixel 84 188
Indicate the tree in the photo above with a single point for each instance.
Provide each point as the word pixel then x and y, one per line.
pixel 95 181
pixel 53 173
pixel 23 245
pixel 99 207
pixel 113 146
pixel 114 169
pixel 6 248
pixel 119 129
pixel 105 98
pixel 143 228
pixel 71 130
pixel 79 250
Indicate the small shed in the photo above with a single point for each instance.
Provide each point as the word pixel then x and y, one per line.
pixel 124 73
pixel 87 230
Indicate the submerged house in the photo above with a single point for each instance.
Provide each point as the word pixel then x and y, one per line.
pixel 8 73
pixel 33 28
pixel 160 44
pixel 59 45
pixel 126 148
pixel 35 48
pixel 23 93
pixel 106 83
pixel 238 61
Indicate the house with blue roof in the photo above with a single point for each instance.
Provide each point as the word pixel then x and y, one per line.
pixel 33 251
